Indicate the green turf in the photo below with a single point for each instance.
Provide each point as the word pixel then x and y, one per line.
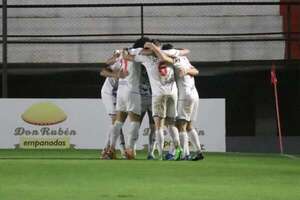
pixel 78 174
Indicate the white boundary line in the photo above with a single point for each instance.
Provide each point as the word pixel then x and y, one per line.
pixel 291 156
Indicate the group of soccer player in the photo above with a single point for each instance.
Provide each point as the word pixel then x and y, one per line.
pixel 158 80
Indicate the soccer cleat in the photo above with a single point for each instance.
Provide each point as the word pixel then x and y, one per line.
pixel 104 154
pixel 198 156
pixel 129 153
pixel 160 157
pixel 110 154
pixel 187 157
pixel 178 153
pixel 107 156
pixel 150 157
pixel 123 155
pixel 169 156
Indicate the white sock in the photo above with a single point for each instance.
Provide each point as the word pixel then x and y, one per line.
pixel 174 135
pixel 151 143
pixel 195 139
pixel 160 140
pixel 186 149
pixel 172 149
pixel 115 133
pixel 181 138
pixel 133 133
pixel 122 141
pixel 107 144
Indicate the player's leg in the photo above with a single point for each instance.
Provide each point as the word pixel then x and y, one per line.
pixel 195 141
pixel 109 102
pixel 122 139
pixel 159 135
pixel 192 133
pixel 151 138
pixel 159 109
pixel 120 119
pixel 116 131
pixel 170 122
pixel 185 106
pixel 147 108
pixel 173 131
pixel 133 134
pixel 122 143
pixel 184 140
pixel 134 114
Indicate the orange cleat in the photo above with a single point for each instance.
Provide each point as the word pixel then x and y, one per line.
pixel 129 153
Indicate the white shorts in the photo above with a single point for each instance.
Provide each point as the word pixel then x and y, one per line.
pixel 188 108
pixel 164 106
pixel 128 101
pixel 109 102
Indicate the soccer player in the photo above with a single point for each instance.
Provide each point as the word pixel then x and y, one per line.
pixel 188 99
pixel 128 102
pixel 164 93
pixel 146 95
pixel 108 94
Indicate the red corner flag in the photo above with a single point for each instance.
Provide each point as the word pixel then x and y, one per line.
pixel 274 83
pixel 273 75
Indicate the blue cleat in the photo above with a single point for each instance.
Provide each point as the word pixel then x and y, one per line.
pixel 169 156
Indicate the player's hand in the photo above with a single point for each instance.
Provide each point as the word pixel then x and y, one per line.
pixel 148 45
pixel 117 53
pixel 123 73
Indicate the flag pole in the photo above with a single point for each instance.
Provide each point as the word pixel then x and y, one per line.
pixel 274 82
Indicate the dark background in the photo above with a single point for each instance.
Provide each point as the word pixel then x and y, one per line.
pixel 249 94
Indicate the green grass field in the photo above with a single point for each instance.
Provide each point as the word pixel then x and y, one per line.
pixel 80 175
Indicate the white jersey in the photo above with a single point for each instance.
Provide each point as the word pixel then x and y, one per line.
pixel 132 81
pixel 186 84
pixel 172 52
pixel 110 84
pixel 161 75
pixel 128 94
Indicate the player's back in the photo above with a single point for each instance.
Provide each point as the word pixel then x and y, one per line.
pixel 186 84
pixel 161 75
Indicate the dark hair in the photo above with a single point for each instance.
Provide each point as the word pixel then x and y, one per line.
pixel 139 43
pixel 167 46
pixel 156 41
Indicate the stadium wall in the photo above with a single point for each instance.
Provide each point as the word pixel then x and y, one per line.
pixel 194 20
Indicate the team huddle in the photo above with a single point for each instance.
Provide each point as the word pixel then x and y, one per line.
pixel 158 80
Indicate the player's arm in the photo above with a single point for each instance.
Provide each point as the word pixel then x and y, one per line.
pixel 126 55
pixel 162 56
pixel 190 71
pixel 116 74
pixel 136 58
pixel 113 58
pixel 146 52
pixel 107 72
pixel 176 52
pixel 184 52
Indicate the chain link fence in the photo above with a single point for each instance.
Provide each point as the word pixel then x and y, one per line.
pixel 88 33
